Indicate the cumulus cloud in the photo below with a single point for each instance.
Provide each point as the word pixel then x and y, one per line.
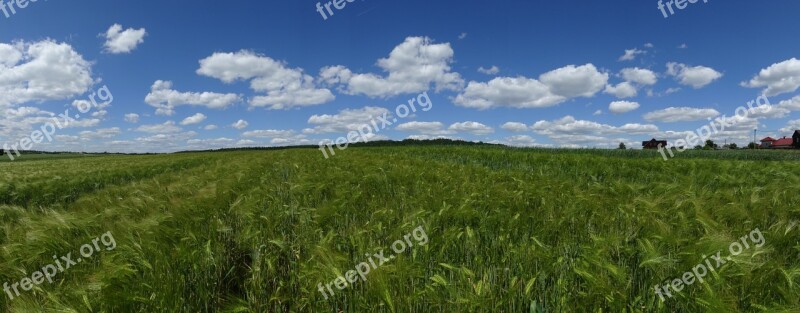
pixel 778 78
pixel 550 89
pixel 346 120
pixel 431 129
pixel 622 90
pixel 268 133
pixel 214 143
pixel 240 124
pixel 575 81
pixel 132 118
pixel 165 99
pixel 474 128
pixel 40 71
pixel 412 67
pixel 639 75
pixel 696 76
pixel 489 71
pixel 630 54
pixel 279 137
pixel 791 126
pixel 569 130
pixel 779 110
pixel 284 87
pixel 515 127
pixel 165 128
pixel 123 41
pixel 521 141
pixel 194 119
pixel 427 128
pixel 622 106
pixel 680 114
pixel 103 133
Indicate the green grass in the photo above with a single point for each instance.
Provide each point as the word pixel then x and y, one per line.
pixel 510 230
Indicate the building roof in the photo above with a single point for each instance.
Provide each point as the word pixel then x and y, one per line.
pixel 783 142
pixel 653 142
pixel 767 139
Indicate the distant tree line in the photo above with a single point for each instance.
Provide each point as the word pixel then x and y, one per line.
pixel 375 143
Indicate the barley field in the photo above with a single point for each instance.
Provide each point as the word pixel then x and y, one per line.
pixel 510 230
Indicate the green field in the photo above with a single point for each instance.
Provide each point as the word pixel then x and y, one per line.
pixel 510 230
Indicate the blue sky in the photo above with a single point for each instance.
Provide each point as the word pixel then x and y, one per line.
pixel 199 75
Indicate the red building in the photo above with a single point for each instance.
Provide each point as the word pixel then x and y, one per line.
pixel 766 143
pixel 783 143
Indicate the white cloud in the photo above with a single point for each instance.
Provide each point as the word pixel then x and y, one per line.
pixel 521 141
pixel 631 54
pixel 575 81
pixel 462 36
pixel 622 106
pixel 790 127
pixel 570 131
pixel 683 46
pixel 165 128
pixel 119 41
pixel 246 142
pixel 489 71
pixel 427 128
pixel 413 67
pixel 268 133
pixel 240 124
pixel 279 137
pixel 680 114
pixel 194 119
pixel 211 143
pixel 40 71
pixel 346 120
pixel 163 142
pixel 639 75
pixel 778 78
pixel 104 133
pixel 132 118
pixel 285 87
pixel 428 137
pixel 697 76
pixel 515 127
pixel 165 99
pixel 779 110
pixel 552 88
pixel 622 90
pixel 431 129
pixel 474 128
pixel 210 127
pixel 100 114
pixel 519 92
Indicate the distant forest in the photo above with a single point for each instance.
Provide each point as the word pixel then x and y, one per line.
pixel 376 143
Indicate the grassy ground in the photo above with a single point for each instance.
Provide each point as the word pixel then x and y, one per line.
pixel 510 230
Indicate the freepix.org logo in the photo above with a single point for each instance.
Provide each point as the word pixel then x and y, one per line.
pixel 338 4
pixel 679 4
pixel 9 7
